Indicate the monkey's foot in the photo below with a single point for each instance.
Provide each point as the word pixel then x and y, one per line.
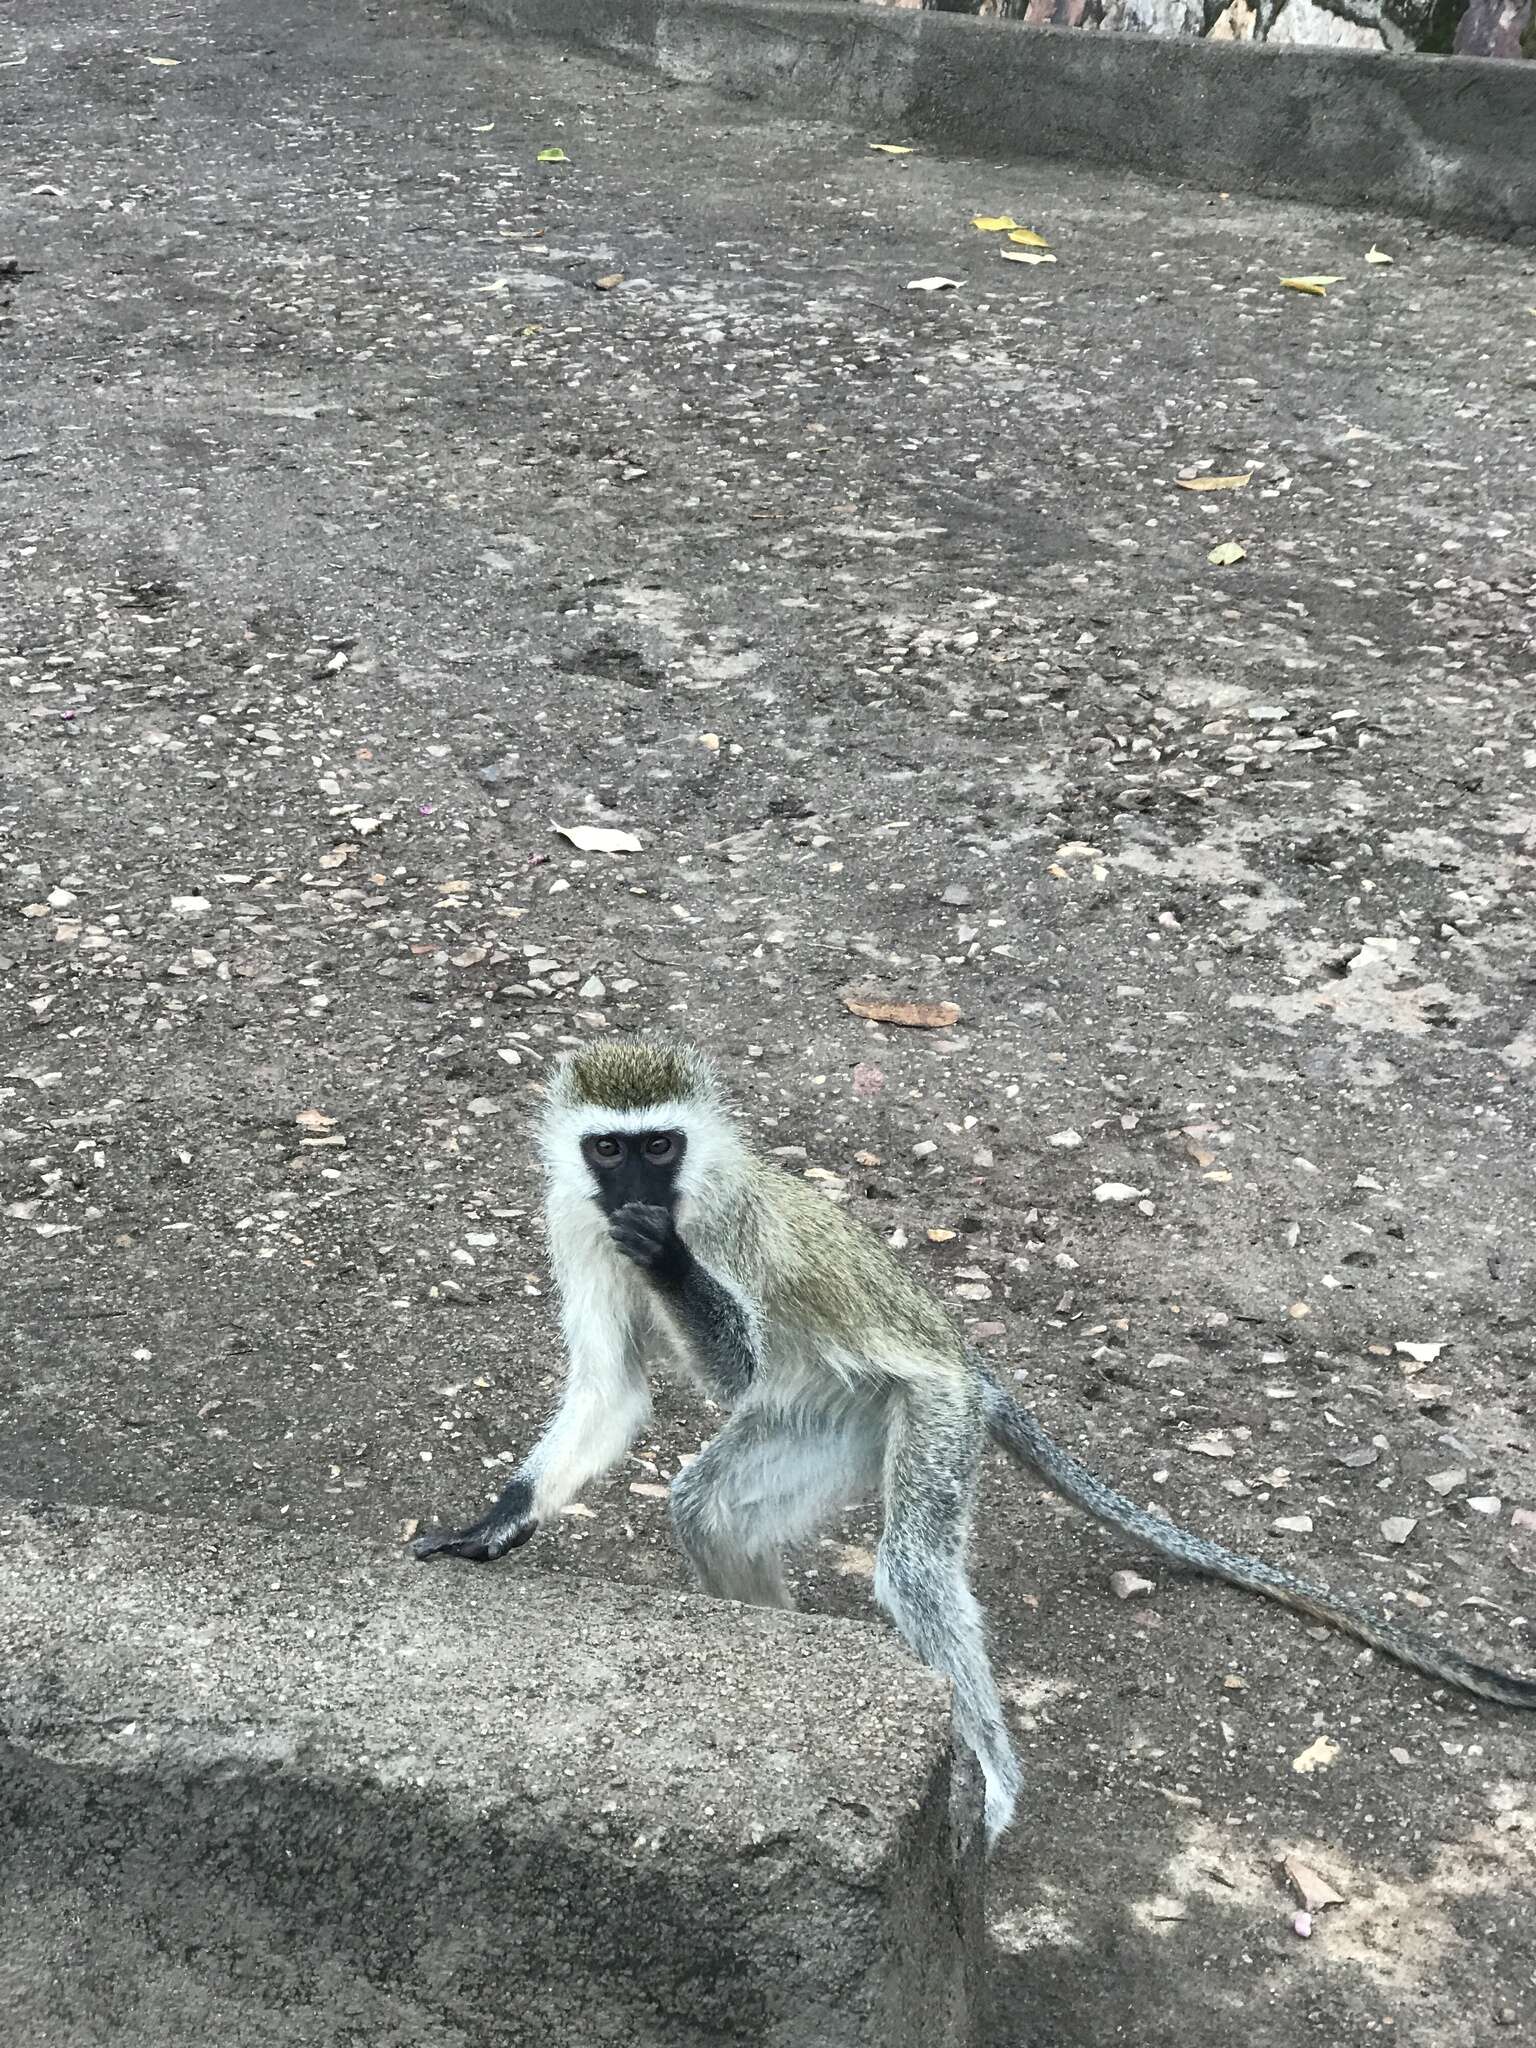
pixel 481 1543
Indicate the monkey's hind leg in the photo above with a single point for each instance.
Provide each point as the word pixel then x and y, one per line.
pixel 767 1480
pixel 932 1454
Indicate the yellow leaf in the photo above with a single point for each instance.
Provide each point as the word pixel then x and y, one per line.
pixel 1375 255
pixel 552 156
pixel 170 63
pixel 892 148
pixel 1214 483
pixel 1028 238
pixel 991 223
pixel 1226 554
pixel 939 1236
pixel 1026 255
pixel 1315 287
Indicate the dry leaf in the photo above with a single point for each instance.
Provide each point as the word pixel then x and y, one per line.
pixel 994 223
pixel 892 148
pixel 611 282
pixel 169 63
pixel 1211 1446
pixel 552 156
pixel 600 839
pixel 646 1491
pixel 315 1120
pixel 484 128
pixel 1026 255
pixel 1314 1892
pixel 337 857
pixel 1316 1757
pixel 1226 553
pixel 933 284
pixel 408 1530
pixel 1214 483
pixel 1315 287
pixel 1375 255
pixel 910 1016
pixel 1028 239
pixel 942 1236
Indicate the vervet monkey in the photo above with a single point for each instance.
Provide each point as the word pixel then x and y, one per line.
pixel 842 1374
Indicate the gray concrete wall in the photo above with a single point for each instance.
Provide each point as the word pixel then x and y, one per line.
pixel 283 1792
pixel 1443 139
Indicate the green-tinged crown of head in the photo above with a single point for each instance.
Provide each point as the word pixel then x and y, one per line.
pixel 628 1076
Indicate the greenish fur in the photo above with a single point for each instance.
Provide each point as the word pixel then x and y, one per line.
pixel 841 1279
pixel 629 1077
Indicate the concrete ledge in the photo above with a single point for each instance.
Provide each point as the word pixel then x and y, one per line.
pixel 279 1792
pixel 1441 138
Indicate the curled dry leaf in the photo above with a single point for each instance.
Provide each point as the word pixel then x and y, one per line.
pixel 892 148
pixel 1375 255
pixel 1314 1892
pixel 646 1490
pixel 910 1016
pixel 1027 238
pixel 1317 1756
pixel 600 839
pixel 1314 287
pixel 552 156
pixel 993 223
pixel 1215 483
pixel 933 284
pixel 1026 255
pixel 1226 553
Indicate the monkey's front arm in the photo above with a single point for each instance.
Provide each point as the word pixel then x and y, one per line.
pixel 715 1321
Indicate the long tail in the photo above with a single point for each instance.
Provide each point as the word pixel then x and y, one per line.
pixel 1017 1432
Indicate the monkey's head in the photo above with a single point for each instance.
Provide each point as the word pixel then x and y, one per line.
pixel 628 1121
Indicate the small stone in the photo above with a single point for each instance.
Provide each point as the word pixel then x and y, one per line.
pixel 1398 1528
pixel 190 906
pixel 1524 1518
pixel 1446 1482
pixel 1067 1140
pixel 924 1149
pixel 1130 1586
pixel 1292 1525
pixel 957 894
pixel 1485 1504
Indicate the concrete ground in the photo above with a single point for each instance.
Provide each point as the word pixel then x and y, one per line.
pixel 374 498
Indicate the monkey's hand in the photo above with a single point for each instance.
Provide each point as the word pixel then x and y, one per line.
pixel 507 1526
pixel 647 1234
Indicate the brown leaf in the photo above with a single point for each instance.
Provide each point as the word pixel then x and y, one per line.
pixel 1314 1892
pixel 911 1016
pixel 1214 483
pixel 315 1120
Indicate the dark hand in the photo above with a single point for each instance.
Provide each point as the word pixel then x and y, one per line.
pixel 648 1235
pixel 506 1527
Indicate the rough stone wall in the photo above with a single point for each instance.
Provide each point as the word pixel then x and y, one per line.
pixel 1469 28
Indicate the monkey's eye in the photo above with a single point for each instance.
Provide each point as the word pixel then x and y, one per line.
pixel 607 1150
pixel 660 1148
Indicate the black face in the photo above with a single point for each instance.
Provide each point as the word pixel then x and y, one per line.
pixel 635 1166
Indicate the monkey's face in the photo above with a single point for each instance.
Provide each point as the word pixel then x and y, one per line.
pixel 634 1166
